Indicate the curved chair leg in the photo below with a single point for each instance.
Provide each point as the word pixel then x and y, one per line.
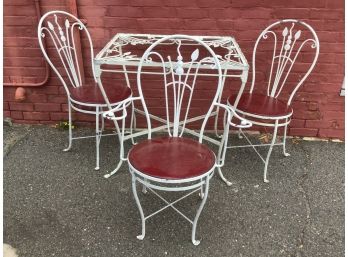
pixel 70 129
pixel 228 183
pixel 144 190
pixel 284 139
pixel 270 151
pixel 240 133
pixel 132 123
pixel 194 226
pixel 216 122
pixel 201 194
pixel 134 188
pixel 97 137
pixel 120 135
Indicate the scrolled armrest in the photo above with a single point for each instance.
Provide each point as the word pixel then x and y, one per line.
pixel 120 107
pixel 231 113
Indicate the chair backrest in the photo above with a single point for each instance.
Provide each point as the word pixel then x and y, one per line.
pixel 180 68
pixel 287 41
pixel 59 28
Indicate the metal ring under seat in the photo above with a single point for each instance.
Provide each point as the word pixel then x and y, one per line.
pixel 172 158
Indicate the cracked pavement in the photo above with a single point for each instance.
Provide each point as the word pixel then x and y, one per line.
pixel 56 204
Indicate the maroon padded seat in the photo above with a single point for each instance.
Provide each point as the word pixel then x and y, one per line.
pixel 261 105
pixel 91 94
pixel 171 158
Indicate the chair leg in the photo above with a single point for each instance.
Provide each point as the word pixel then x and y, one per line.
pixel 144 190
pixel 194 226
pixel 228 183
pixel 97 137
pixel 201 194
pixel 284 139
pixel 134 189
pixel 270 151
pixel 132 123
pixel 240 133
pixel 70 129
pixel 216 123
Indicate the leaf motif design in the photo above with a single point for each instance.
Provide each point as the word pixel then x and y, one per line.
pixel 50 25
pixel 194 55
pixel 285 31
pixel 67 23
pixel 298 34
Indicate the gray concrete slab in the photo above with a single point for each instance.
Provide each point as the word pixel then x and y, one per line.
pixel 56 204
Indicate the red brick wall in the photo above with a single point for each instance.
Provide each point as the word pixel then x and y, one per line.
pixel 319 110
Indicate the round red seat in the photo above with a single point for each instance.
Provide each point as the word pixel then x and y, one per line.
pixel 261 105
pixel 171 158
pixel 91 94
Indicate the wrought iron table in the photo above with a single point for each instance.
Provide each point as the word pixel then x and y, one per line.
pixel 122 55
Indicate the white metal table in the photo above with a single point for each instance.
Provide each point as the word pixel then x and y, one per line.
pixel 122 55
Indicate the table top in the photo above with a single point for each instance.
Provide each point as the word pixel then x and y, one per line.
pixel 115 52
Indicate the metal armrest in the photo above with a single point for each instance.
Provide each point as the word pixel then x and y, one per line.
pixel 243 124
pixel 122 106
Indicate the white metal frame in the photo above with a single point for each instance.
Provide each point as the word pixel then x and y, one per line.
pixel 125 61
pixel 176 73
pixel 281 66
pixel 62 36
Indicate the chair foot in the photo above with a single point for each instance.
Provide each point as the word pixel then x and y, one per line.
pixel 67 149
pixel 228 183
pixel 96 168
pixel 114 171
pixel 140 237
pixel 265 180
pixel 286 154
pixel 196 242
pixel 144 189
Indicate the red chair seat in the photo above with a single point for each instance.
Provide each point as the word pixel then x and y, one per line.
pixel 261 105
pixel 91 94
pixel 171 158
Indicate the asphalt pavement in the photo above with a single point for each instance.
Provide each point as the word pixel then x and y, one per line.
pixel 56 204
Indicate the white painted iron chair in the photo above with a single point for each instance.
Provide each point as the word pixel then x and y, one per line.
pixel 288 38
pixel 176 163
pixel 60 28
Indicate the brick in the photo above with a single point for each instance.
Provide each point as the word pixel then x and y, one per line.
pixel 47 107
pixel 59 116
pixel 129 12
pixel 333 114
pixel 338 106
pixel 313 106
pixel 297 123
pixel 306 115
pixel 7 114
pixel 6 106
pixel 36 98
pixel 36 116
pixel 335 4
pixel 208 3
pixel 26 122
pixel 146 3
pixel 21 106
pixel 57 99
pixel 96 11
pixel 26 10
pixel 305 132
pixel 193 13
pixel 331 133
pixel 295 13
pixel 17 115
pixel 320 124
